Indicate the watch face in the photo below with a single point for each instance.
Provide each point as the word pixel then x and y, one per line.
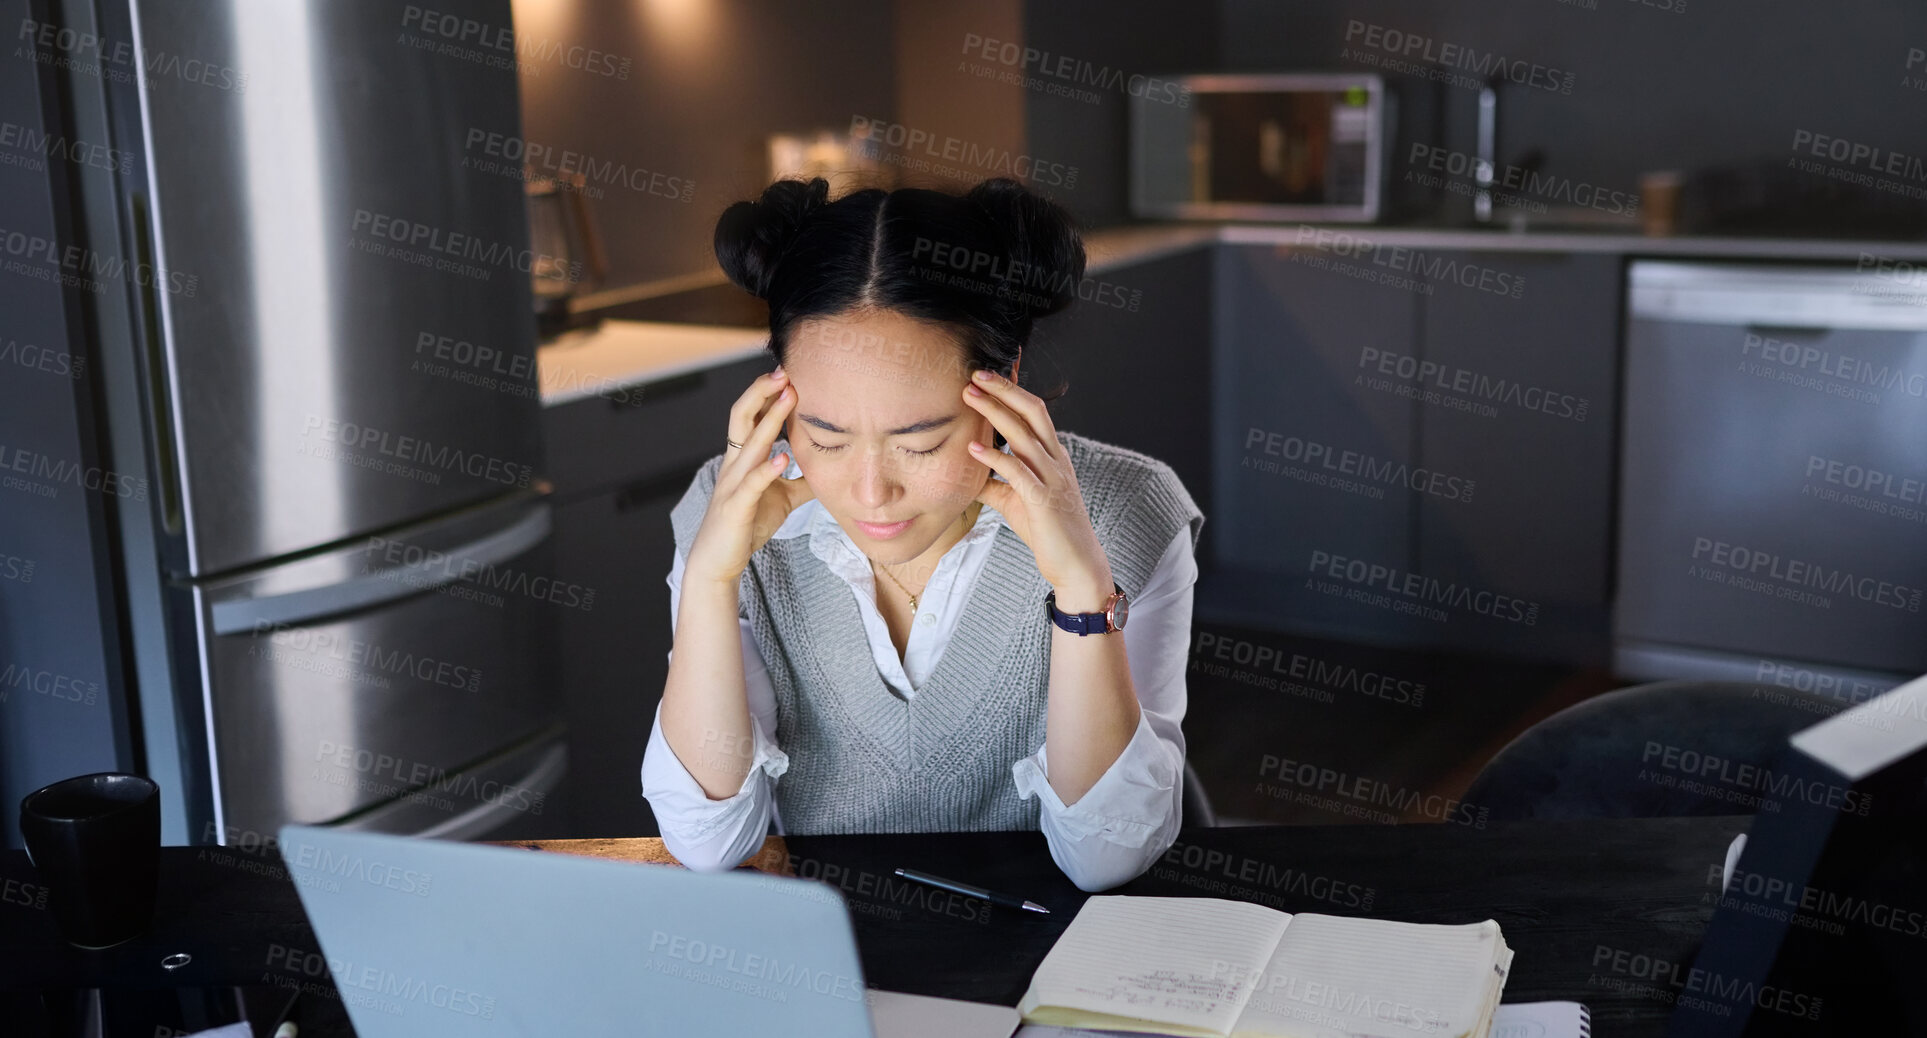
pixel 1122 610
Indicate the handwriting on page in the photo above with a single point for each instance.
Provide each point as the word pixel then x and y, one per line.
pixel 1161 959
pixel 1168 989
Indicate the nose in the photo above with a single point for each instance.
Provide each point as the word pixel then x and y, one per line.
pixel 876 480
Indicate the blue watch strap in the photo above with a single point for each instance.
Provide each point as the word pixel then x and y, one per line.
pixel 1072 622
pixel 1077 623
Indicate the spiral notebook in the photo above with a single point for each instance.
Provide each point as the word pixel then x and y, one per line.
pixel 1217 968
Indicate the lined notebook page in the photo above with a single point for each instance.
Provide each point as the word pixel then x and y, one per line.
pixel 1178 960
pixel 1378 977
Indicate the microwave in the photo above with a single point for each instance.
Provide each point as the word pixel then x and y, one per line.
pixel 1275 147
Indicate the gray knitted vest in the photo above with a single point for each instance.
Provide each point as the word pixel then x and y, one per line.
pixel 863 759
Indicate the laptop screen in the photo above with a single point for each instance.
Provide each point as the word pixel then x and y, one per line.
pixel 427 937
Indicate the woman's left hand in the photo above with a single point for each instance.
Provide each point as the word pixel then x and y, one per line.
pixel 1040 499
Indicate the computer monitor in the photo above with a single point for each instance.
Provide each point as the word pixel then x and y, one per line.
pixel 1822 928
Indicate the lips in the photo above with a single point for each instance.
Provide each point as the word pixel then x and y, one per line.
pixel 883 531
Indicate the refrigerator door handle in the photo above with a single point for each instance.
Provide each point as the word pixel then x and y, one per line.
pixel 293 608
pixel 154 354
pixel 536 779
pixel 484 818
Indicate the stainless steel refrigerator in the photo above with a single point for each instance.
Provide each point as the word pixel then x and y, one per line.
pixel 336 600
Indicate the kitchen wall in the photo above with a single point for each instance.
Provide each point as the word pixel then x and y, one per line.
pixel 1153 39
pixel 694 96
pixel 1656 84
pixel 691 91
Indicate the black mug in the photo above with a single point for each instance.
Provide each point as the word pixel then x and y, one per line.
pixel 95 840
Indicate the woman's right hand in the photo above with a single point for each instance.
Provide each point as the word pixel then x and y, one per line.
pixel 750 500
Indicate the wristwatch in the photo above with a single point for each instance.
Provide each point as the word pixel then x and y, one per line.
pixel 1111 618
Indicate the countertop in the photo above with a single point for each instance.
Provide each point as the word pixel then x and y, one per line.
pixel 1125 245
pixel 619 354
pixel 613 355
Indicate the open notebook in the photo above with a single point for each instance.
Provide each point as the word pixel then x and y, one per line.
pixel 1213 967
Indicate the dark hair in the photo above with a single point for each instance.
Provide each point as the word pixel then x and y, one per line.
pixel 984 264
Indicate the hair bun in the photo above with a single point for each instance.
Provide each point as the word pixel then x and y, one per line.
pixel 751 237
pixel 1046 252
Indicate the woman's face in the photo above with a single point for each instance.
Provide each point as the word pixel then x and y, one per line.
pixel 881 431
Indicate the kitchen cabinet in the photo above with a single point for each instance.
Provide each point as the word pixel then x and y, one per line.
pixel 1298 423
pixel 1524 422
pixel 620 460
pixel 1136 351
pixel 614 654
pixel 1415 447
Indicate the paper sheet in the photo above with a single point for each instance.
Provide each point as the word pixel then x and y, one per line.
pixel 1189 961
pixel 1377 977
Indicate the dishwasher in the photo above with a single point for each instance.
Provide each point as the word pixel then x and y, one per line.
pixel 1772 517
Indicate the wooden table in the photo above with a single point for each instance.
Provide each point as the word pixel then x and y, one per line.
pixel 649 850
pixel 1569 895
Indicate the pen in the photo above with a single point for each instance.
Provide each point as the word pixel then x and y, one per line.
pixel 991 896
pixel 284 1027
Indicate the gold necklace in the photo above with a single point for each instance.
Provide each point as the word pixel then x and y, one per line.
pixel 899 583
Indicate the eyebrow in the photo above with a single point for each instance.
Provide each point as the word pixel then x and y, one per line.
pixel 913 427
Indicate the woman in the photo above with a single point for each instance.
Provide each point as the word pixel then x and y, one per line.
pixel 863 637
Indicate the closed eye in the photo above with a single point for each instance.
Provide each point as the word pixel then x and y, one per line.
pixel 825 450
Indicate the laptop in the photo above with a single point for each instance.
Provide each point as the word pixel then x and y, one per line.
pixel 429 937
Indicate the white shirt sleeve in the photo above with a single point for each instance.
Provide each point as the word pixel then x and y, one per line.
pixel 1118 828
pixel 712 835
